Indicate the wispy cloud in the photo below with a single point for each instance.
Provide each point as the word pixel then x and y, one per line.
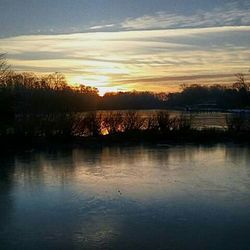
pixel 149 59
pixel 98 27
pixel 228 15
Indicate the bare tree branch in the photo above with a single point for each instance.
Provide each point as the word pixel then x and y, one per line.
pixel 4 67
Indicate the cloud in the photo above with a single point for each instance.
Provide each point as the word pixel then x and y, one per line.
pixel 228 15
pixel 146 59
pixel 98 27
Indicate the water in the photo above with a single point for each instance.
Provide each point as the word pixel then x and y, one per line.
pixel 144 197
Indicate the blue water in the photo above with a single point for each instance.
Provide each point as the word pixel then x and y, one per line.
pixel 144 197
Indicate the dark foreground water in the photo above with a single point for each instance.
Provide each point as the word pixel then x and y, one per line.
pixel 162 197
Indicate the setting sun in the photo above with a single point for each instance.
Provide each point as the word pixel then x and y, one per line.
pixel 102 83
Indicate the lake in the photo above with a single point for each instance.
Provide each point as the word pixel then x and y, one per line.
pixel 137 197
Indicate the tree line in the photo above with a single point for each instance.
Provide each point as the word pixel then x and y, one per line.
pixel 22 93
pixel 234 96
pixel 46 105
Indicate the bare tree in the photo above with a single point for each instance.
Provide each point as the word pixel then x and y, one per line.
pixel 164 121
pixel 4 67
pixel 113 122
pixel 57 81
pixel 241 82
pixel 132 121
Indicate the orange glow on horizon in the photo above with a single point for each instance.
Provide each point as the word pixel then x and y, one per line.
pixel 102 83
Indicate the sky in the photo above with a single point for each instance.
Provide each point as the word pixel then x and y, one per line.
pixel 119 45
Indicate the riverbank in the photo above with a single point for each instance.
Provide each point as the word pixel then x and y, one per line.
pixel 22 143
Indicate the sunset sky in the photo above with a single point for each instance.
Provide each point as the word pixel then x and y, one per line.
pixel 123 45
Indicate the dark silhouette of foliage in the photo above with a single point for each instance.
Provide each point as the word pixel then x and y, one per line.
pixel 46 106
pixel 222 97
pixel 131 100
pixel 238 122
pixel 132 121
pixel 4 67
pixel 112 122
pixel 47 94
pixel 164 121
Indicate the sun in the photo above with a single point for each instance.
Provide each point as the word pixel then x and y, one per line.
pixel 104 90
pixel 102 83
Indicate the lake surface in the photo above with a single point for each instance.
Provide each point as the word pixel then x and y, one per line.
pixel 143 197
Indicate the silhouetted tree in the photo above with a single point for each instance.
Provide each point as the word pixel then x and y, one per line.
pixel 132 121
pixel 4 68
pixel 241 82
pixel 112 121
pixel 164 121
